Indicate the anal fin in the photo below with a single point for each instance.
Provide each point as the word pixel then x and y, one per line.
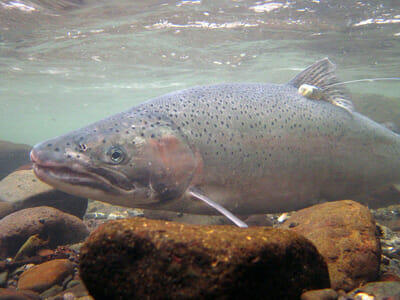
pixel 198 195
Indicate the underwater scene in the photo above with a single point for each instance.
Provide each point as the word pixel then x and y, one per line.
pixel 198 149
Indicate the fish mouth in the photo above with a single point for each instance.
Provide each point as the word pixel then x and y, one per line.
pixel 76 175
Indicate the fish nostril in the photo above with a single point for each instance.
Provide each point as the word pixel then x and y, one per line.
pixel 82 147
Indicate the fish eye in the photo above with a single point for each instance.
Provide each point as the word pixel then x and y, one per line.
pixel 116 154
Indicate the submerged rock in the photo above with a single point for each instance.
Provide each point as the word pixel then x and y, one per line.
pixel 185 218
pixel 49 223
pixel 324 294
pixel 21 189
pixel 42 277
pixel 13 294
pixel 12 156
pixel 344 232
pixel 390 245
pixel 139 258
pixel 379 290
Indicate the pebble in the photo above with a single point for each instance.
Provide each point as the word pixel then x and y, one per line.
pixel 3 279
pixel 45 275
pixel 13 294
pixel 324 294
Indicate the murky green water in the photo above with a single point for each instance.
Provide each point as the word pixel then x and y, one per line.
pixel 65 64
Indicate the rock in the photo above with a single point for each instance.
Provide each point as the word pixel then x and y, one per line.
pixel 388 216
pixel 344 232
pixel 12 156
pixel 139 258
pixel 51 292
pixel 21 189
pixel 185 218
pixel 6 208
pixel 324 294
pixel 44 276
pixel 3 279
pixel 49 223
pixel 388 276
pixel 30 247
pixel 103 211
pixel 381 290
pixel 258 220
pixel 77 290
pixel 12 294
pixel 390 245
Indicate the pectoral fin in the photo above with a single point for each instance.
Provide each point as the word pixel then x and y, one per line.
pixel 198 195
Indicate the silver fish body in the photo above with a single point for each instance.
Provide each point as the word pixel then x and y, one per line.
pixel 251 148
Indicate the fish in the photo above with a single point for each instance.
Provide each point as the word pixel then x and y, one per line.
pixel 234 148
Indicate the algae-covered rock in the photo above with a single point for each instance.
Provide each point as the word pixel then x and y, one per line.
pixel 344 232
pixel 52 225
pixel 141 259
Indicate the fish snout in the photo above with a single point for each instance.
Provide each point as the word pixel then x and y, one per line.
pixel 47 154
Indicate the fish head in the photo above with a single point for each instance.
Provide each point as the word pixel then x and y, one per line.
pixel 139 162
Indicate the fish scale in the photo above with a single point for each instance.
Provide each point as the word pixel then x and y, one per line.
pixel 244 148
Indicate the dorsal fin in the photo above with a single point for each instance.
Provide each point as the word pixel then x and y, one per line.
pixel 322 76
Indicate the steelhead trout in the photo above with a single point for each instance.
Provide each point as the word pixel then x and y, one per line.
pixel 240 148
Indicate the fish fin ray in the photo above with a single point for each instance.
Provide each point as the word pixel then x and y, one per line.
pixel 343 103
pixel 222 210
pixel 322 76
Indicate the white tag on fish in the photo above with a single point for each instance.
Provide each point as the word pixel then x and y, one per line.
pixel 198 195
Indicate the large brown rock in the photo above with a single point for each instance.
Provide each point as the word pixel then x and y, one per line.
pixel 41 277
pixel 344 232
pixel 21 189
pixel 12 156
pixel 49 223
pixel 141 259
